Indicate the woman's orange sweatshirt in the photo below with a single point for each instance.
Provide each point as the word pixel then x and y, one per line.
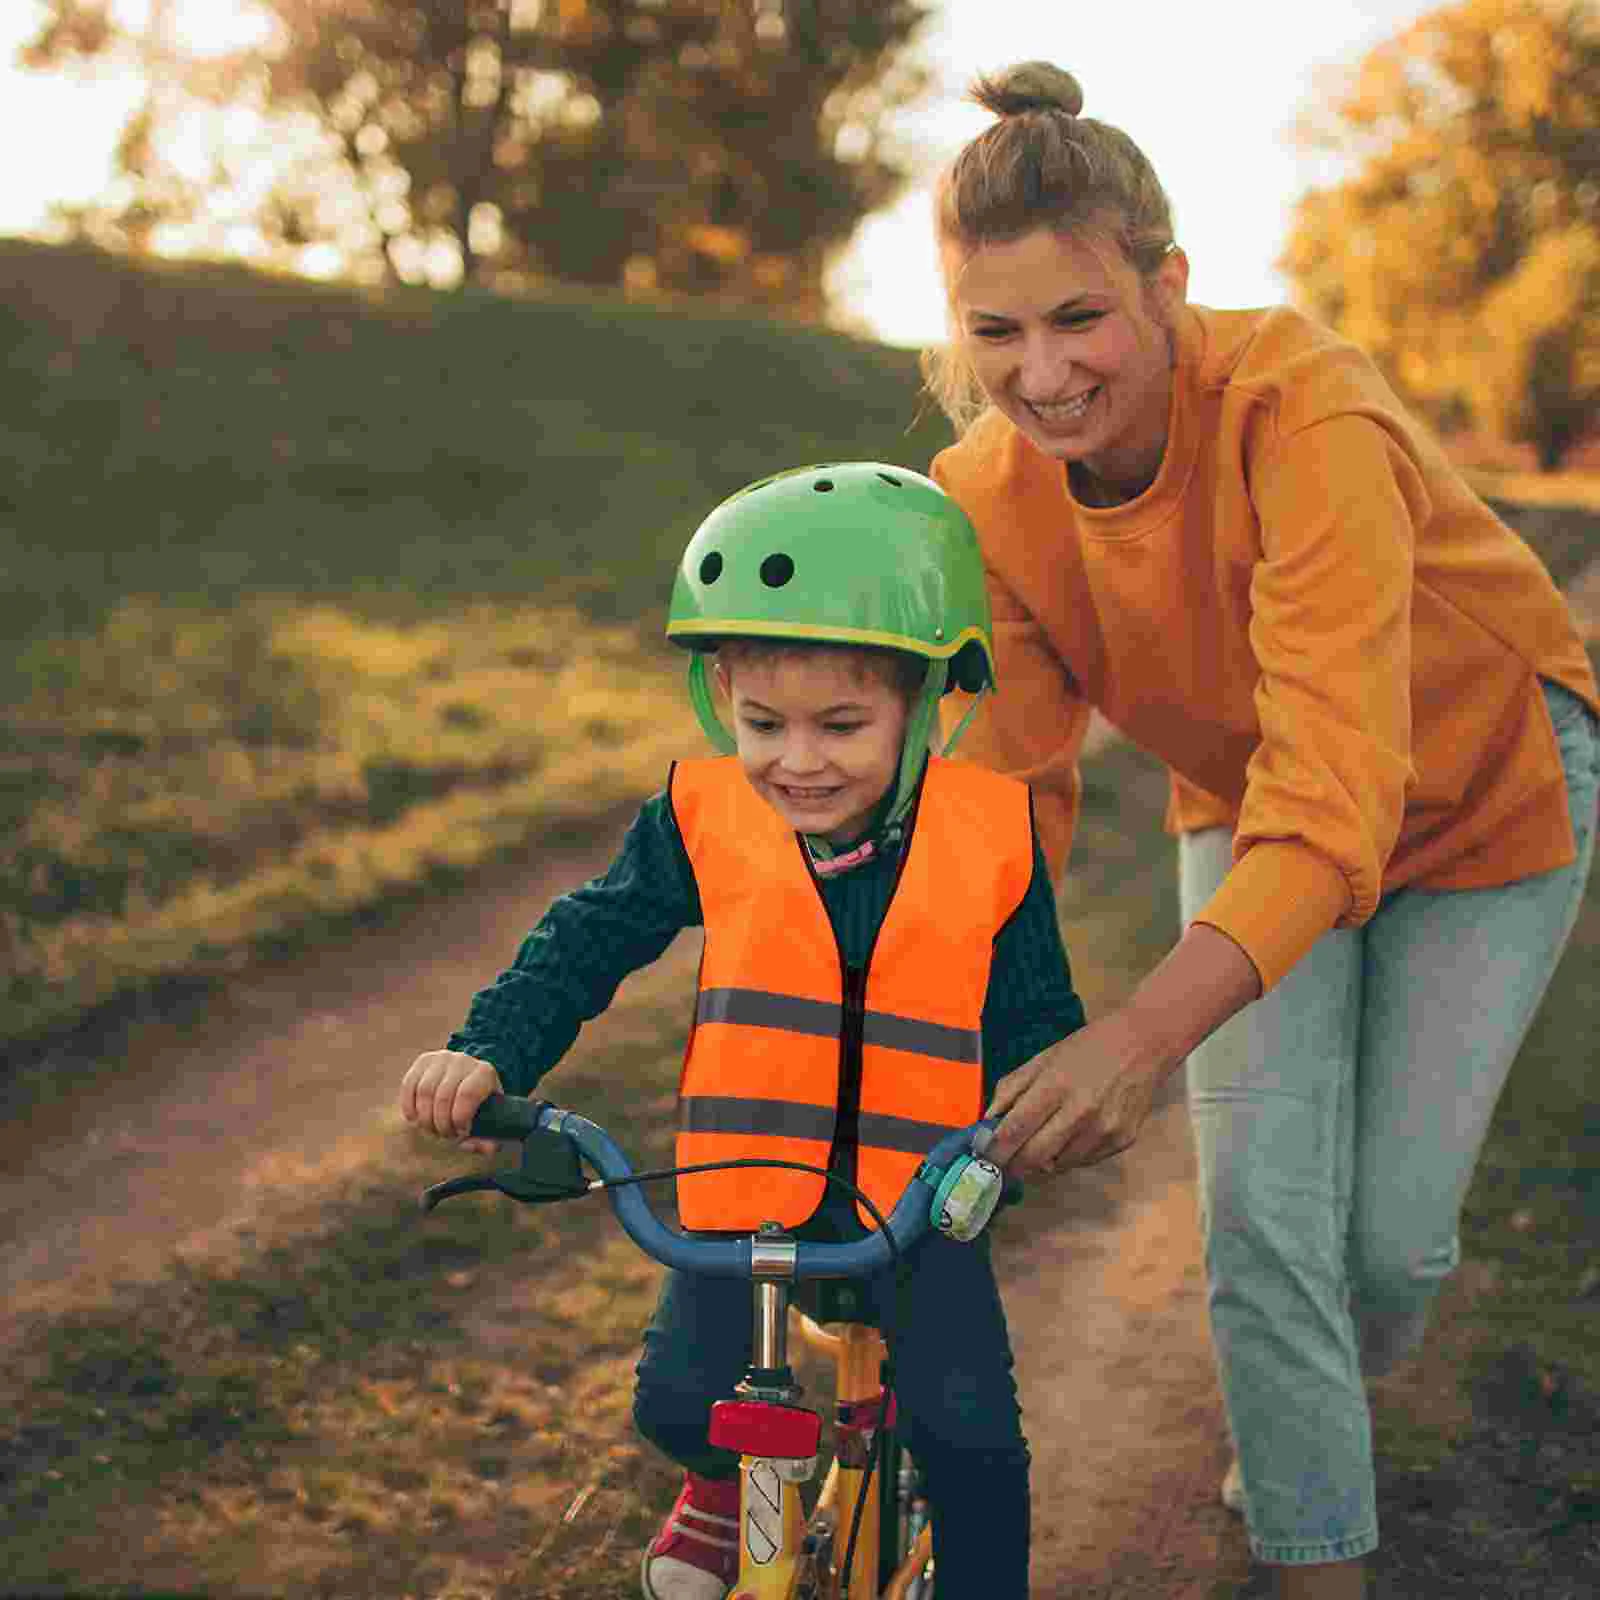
pixel 1331 641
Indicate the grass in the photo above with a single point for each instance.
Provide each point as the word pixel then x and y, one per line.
pixel 358 1401
pixel 206 434
pixel 191 790
pixel 315 1421
pixel 318 597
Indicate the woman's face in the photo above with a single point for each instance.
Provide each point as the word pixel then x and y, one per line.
pixel 1065 342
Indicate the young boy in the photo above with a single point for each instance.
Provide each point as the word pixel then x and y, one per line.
pixel 881 947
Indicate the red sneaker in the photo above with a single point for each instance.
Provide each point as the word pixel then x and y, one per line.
pixel 696 1554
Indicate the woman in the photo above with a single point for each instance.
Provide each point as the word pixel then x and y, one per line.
pixel 1223 531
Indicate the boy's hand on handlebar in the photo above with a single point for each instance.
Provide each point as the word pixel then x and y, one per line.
pixel 441 1093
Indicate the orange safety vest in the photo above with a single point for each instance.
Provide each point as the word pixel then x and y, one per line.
pixel 774 1028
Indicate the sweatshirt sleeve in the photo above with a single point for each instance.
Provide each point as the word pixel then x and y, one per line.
pixel 1032 726
pixel 568 968
pixel 1337 503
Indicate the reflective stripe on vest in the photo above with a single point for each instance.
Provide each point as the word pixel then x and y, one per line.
pixel 762 1070
pixel 724 1114
pixel 756 1008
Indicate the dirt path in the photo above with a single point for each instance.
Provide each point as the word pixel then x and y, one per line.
pixel 218 1121
pixel 1107 1307
pixel 239 1107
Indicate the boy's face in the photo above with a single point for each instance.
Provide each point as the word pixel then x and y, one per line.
pixel 820 743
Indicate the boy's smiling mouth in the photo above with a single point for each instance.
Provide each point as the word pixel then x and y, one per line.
pixel 806 796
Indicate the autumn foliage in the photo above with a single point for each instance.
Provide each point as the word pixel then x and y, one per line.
pixel 723 150
pixel 1461 245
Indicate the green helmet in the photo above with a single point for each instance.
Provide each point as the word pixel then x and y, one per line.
pixel 852 553
pixel 847 553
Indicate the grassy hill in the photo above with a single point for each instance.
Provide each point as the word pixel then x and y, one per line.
pixel 316 595
pixel 205 433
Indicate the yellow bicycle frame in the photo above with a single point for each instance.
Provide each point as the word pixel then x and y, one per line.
pixel 772 1518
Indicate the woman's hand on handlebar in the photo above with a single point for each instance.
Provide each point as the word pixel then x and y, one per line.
pixel 1081 1101
pixel 441 1093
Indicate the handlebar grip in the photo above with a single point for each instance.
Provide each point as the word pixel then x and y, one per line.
pixel 507 1116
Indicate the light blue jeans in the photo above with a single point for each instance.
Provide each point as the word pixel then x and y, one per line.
pixel 1337 1122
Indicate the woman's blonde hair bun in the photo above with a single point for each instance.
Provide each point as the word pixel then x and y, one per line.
pixel 1029 86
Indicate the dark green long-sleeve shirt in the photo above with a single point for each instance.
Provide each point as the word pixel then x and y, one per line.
pixel 570 965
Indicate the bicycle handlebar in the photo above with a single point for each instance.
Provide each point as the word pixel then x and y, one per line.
pixel 504 1116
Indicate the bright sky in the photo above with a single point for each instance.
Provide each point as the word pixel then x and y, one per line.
pixel 1208 91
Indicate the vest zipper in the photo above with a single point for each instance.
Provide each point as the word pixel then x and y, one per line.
pixel 847 1121
pixel 847 1124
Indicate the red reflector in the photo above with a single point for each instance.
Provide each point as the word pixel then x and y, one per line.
pixel 759 1428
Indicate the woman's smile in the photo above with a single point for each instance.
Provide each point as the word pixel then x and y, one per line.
pixel 1062 413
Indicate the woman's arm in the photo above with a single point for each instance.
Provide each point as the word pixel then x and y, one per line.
pixel 1087 1097
pixel 1337 504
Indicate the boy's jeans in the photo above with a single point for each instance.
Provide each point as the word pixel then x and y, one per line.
pixel 1337 1122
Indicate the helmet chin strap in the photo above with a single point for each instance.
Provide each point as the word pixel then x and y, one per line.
pixel 705 707
pixel 972 711
pixel 918 742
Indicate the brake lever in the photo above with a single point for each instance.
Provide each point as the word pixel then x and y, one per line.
pixel 432 1195
pixel 549 1170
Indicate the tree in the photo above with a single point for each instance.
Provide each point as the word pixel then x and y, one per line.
pixel 708 147
pixel 770 143
pixel 1461 246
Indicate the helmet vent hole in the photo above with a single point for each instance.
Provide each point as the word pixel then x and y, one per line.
pixel 894 483
pixel 776 571
pixel 823 486
pixel 711 568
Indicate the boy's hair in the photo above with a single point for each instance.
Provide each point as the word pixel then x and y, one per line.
pixel 898 669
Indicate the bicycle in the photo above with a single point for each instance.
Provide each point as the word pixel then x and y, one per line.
pixel 785 1552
